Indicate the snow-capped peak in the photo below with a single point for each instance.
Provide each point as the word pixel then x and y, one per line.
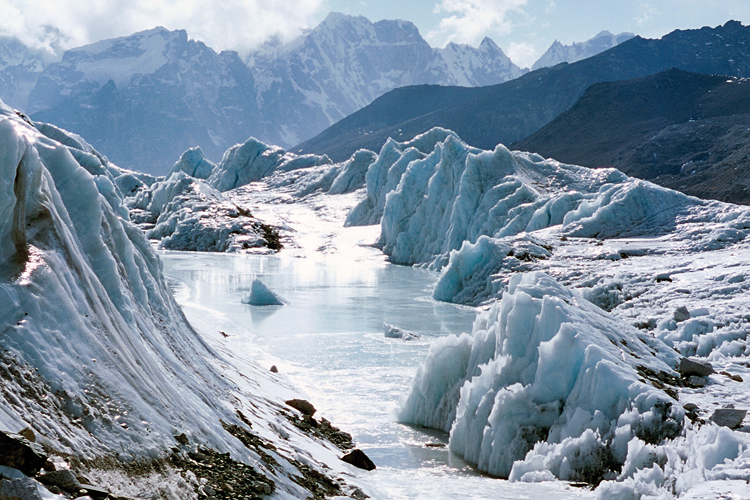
pixel 558 53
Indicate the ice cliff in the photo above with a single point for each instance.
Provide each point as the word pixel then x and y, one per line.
pixel 482 215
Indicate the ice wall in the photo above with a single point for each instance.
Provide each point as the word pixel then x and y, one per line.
pixel 543 368
pixel 384 174
pixel 430 202
pixel 86 316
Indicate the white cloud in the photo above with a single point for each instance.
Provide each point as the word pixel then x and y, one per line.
pixel 646 13
pixel 473 19
pixel 226 24
pixel 523 54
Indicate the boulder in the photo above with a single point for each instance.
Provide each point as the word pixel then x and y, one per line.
pixel 359 459
pixel 28 433
pixel 64 479
pixel 22 488
pixel 689 367
pixel 182 439
pixel 303 406
pixel 728 417
pixel 681 314
pixel 19 453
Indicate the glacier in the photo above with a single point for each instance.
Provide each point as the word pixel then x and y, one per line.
pixel 99 360
pixel 570 372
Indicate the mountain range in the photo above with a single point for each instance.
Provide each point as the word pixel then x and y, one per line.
pixel 145 98
pixel 20 67
pixel 510 111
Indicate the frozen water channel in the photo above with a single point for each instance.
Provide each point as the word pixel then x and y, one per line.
pixel 329 343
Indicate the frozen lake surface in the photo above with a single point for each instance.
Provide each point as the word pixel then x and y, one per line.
pixel 329 343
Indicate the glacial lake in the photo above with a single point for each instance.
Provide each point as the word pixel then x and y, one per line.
pixel 329 342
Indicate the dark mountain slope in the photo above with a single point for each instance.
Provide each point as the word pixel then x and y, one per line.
pixel 682 130
pixel 513 110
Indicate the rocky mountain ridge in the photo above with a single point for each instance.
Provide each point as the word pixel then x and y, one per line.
pixel 685 131
pixel 510 111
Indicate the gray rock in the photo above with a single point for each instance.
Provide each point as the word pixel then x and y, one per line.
pixel 23 488
pixel 264 488
pixel 681 314
pixel 20 453
pixel 65 479
pixel 689 367
pixel 358 494
pixel 182 439
pixel 695 381
pixel 728 417
pixel 691 407
pixel 28 433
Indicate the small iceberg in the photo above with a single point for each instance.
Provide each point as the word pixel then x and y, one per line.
pixel 261 295
pixel 394 332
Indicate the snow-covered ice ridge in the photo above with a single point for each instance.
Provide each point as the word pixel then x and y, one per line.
pixel 435 193
pixel 96 356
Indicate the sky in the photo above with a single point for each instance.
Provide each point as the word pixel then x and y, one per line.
pixel 524 29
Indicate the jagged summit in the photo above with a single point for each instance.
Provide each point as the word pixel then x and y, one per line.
pixel 558 53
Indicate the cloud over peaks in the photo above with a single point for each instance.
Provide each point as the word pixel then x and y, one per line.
pixel 472 19
pixel 228 24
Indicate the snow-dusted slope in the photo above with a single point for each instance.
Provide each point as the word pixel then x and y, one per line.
pixel 96 355
pixel 466 66
pixel 558 53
